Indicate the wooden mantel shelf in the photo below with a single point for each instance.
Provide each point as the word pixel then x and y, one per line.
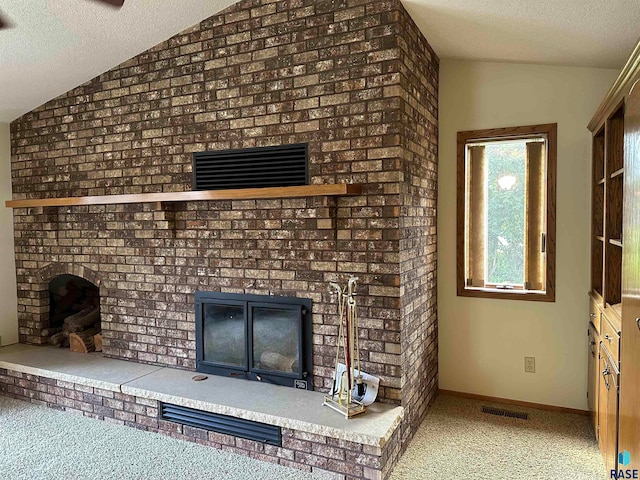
pixel 339 189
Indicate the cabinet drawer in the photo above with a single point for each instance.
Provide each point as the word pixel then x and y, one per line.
pixel 594 315
pixel 610 339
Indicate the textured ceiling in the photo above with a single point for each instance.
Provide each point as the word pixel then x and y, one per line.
pixel 56 45
pixel 586 33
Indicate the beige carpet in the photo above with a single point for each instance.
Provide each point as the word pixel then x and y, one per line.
pixel 39 443
pixel 457 440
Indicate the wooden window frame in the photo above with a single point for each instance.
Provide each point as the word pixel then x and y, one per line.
pixel 550 131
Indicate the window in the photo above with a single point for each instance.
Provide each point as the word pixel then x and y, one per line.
pixel 506 213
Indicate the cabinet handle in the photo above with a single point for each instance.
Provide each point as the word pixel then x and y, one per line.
pixel 607 337
pixel 593 315
pixel 605 373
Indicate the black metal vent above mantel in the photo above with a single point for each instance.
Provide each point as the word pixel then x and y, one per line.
pixel 278 166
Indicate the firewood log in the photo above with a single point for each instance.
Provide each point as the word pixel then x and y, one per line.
pixel 57 339
pixel 81 320
pixel 97 340
pixel 82 342
pixel 277 361
pixel 47 332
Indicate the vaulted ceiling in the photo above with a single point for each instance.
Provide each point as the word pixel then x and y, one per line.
pixel 56 45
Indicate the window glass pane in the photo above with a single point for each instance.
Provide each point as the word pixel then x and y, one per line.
pixel 506 193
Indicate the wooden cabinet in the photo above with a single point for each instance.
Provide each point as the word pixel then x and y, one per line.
pixel 610 337
pixel 629 414
pixel 615 269
pixel 603 379
pixel 594 373
pixel 606 307
pixel 611 379
pixel 608 409
pixel 606 212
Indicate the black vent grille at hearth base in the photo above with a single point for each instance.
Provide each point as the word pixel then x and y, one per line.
pixel 278 166
pixel 238 427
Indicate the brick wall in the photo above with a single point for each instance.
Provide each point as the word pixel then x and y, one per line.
pixel 419 142
pixel 345 76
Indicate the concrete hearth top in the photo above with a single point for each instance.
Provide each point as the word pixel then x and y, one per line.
pixel 92 370
pixel 260 402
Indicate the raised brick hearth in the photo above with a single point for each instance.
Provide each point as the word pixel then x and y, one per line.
pixel 314 439
pixel 354 79
pixel 309 452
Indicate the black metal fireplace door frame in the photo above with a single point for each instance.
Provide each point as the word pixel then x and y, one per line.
pixel 301 379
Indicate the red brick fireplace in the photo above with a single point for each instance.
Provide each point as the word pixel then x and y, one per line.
pixel 354 79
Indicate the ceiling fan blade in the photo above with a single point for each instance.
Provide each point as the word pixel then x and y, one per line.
pixel 115 3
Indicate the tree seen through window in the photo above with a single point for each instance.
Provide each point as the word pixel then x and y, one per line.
pixel 506 193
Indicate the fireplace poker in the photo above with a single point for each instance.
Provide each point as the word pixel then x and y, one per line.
pixel 337 290
pixel 353 313
pixel 347 354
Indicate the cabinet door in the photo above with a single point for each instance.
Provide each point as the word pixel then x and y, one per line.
pixel 611 454
pixel 593 376
pixel 629 439
pixel 603 397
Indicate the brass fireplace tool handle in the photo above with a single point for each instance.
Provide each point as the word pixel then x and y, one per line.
pixel 347 376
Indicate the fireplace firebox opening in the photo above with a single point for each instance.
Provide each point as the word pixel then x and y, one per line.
pixel 257 337
pixel 68 295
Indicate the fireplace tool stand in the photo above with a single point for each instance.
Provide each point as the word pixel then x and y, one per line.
pixel 345 380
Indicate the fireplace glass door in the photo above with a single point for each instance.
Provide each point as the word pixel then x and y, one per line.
pixel 264 338
pixel 275 339
pixel 224 335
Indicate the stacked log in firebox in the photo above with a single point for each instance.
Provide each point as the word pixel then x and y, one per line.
pixel 80 332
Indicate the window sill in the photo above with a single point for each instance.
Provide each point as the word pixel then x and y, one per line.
pixel 502 294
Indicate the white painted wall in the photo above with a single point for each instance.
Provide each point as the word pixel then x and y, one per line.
pixel 483 342
pixel 8 297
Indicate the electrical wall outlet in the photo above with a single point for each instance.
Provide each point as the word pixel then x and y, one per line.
pixel 530 364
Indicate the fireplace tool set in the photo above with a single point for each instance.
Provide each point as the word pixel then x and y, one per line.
pixel 348 385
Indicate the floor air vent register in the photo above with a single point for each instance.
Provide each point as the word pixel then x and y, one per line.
pixel 238 427
pixel 505 413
